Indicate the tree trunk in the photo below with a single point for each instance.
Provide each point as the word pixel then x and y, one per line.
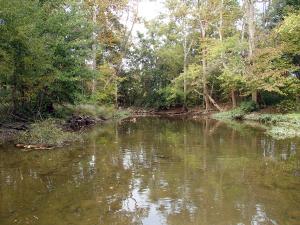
pixel 205 87
pixel 250 12
pixel 204 69
pixel 184 78
pixel 254 96
pixel 214 103
pixel 94 46
pixel 124 48
pixel 233 98
pixel 251 26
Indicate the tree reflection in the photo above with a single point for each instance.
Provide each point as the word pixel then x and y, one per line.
pixel 155 171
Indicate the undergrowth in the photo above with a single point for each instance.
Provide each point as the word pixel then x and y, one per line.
pixel 279 126
pixel 93 110
pixel 237 113
pixel 49 133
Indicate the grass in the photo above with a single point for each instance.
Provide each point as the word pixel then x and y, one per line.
pixel 47 133
pixel 238 113
pixel 235 114
pixel 279 126
pixel 293 118
pixel 50 132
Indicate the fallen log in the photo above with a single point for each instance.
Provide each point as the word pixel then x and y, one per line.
pixel 214 103
pixel 35 147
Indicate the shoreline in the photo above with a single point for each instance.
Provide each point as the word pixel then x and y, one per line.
pixel 278 126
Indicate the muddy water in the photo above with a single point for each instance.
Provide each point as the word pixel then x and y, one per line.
pixel 155 171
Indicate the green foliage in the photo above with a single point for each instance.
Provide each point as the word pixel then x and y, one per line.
pixel 44 47
pixel 274 118
pixel 169 97
pixel 270 98
pixel 48 133
pixel 233 70
pixel 278 9
pixel 153 66
pixel 289 32
pixel 267 72
pixel 237 113
pixel 249 106
pixel 283 132
pixel 90 109
pixel 287 106
pixel 281 126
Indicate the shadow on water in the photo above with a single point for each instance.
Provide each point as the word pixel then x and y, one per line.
pixel 155 171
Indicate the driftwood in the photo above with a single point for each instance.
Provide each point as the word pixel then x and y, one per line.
pixel 76 123
pixel 34 147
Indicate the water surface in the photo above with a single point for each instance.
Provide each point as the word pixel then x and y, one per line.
pixel 152 172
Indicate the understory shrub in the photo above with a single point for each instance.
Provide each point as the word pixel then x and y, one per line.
pixel 48 133
pixel 248 106
pixel 287 106
pixel 93 110
pixel 239 112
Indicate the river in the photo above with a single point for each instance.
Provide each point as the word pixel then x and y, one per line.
pixel 155 171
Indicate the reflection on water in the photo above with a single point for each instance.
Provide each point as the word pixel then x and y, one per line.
pixel 155 171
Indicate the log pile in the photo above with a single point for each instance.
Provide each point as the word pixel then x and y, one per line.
pixel 77 122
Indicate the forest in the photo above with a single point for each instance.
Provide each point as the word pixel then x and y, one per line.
pixel 195 53
pixel 150 112
pixel 94 60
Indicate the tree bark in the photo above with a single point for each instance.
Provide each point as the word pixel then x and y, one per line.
pixel 233 98
pixel 250 12
pixel 124 48
pixel 214 103
pixel 204 68
pixel 94 45
pixel 254 96
pixel 184 79
pixel 205 86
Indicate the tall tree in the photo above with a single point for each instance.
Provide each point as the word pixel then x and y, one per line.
pixel 250 17
pixel 44 45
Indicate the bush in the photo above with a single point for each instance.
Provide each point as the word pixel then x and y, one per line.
pixel 248 106
pixel 271 98
pixel 268 118
pixel 168 97
pixel 47 133
pixel 92 110
pixel 238 113
pixel 287 106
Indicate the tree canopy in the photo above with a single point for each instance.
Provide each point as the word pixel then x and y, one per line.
pixel 194 53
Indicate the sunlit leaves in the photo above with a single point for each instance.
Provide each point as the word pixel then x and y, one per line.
pixel 289 32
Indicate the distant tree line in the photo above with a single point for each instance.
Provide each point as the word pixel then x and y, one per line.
pixel 56 52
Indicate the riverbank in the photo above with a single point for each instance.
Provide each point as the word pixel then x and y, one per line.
pixel 278 126
pixel 68 125
pixel 71 124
